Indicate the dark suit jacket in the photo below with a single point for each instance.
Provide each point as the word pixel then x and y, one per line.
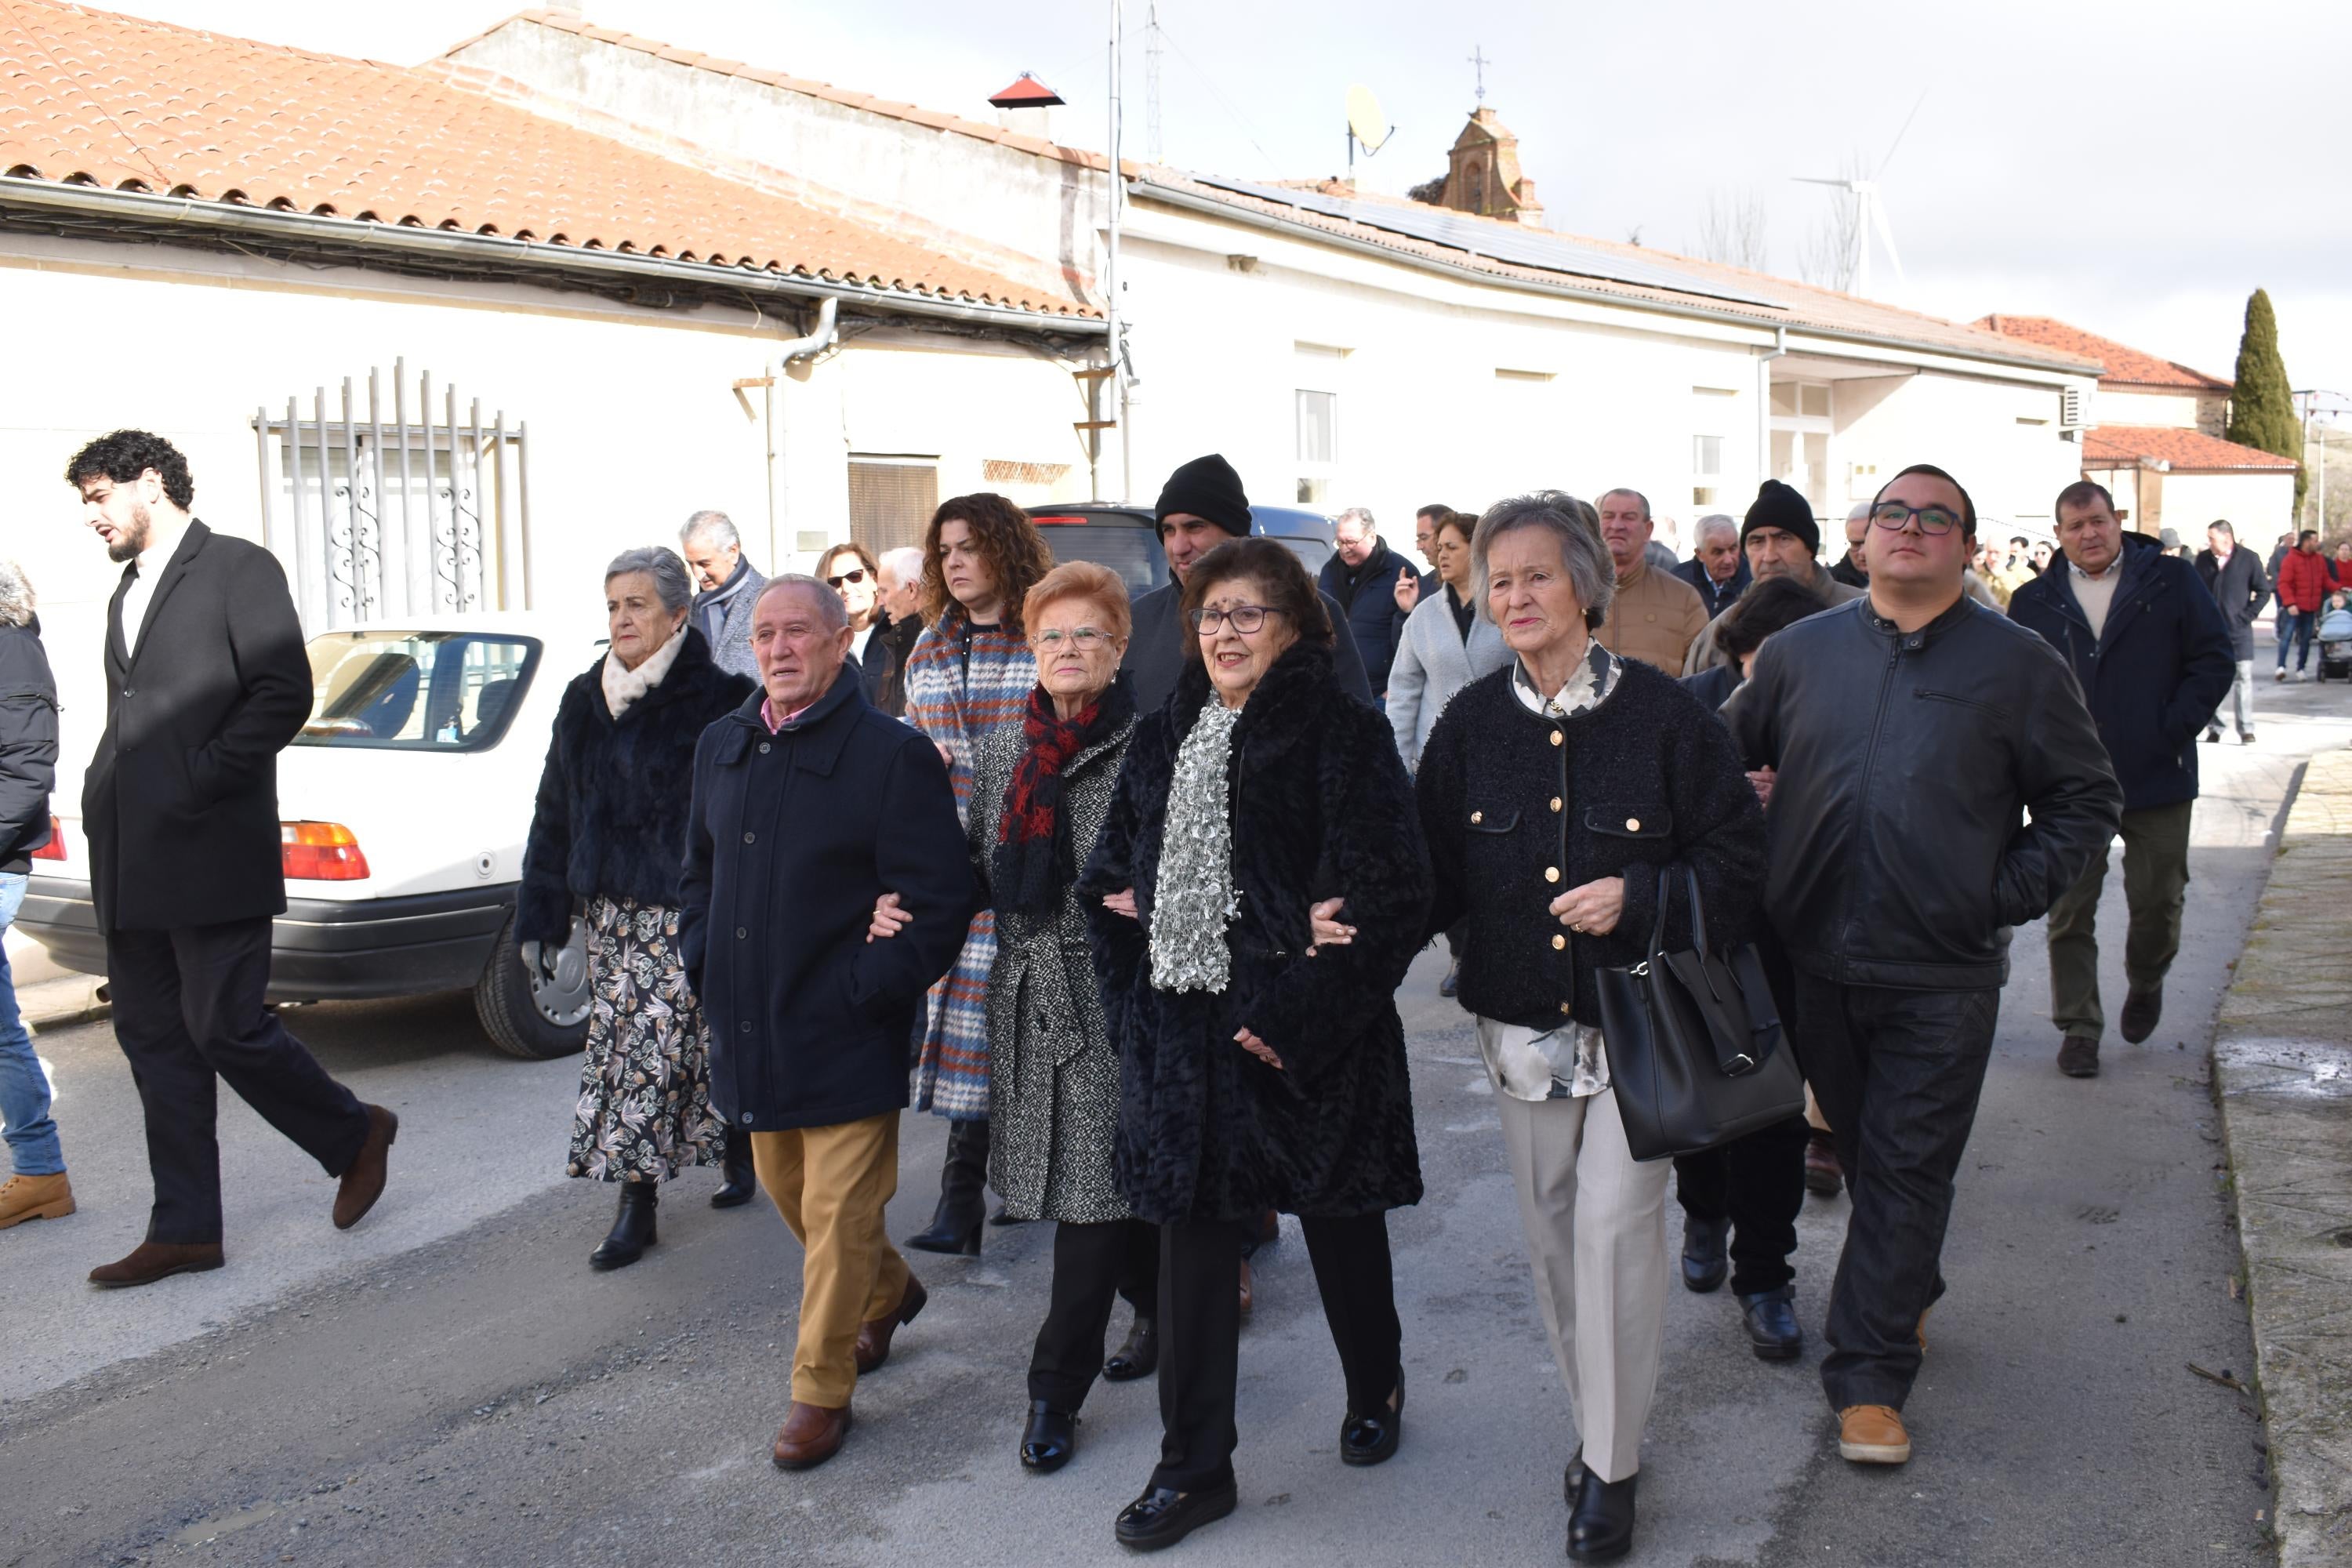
pixel 1719 596
pixel 181 800
pixel 2241 589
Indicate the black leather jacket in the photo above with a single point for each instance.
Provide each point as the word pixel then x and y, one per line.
pixel 1897 856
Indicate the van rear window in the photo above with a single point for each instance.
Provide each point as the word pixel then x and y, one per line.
pixel 414 691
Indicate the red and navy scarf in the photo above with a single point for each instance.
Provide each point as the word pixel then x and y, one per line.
pixel 1033 862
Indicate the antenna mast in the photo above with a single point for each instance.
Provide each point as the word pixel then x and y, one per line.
pixel 1151 78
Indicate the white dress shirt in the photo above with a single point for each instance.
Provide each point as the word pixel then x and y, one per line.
pixel 145 568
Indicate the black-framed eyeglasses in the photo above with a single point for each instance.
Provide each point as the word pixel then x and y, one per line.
pixel 856 576
pixel 1247 618
pixel 1895 517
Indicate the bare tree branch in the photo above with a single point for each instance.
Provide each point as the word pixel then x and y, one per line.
pixel 1826 257
pixel 1733 231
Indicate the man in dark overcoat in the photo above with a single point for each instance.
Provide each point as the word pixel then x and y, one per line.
pixel 2241 587
pixel 808 806
pixel 207 682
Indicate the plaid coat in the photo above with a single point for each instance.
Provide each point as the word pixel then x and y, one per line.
pixel 963 681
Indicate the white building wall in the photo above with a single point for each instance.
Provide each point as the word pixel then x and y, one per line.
pixel 1999 437
pixel 2164 410
pixel 2260 507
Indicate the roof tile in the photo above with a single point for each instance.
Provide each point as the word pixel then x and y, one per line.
pixel 97 98
pixel 2184 450
pixel 2126 366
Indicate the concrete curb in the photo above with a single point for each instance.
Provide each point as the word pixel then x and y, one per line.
pixel 68 999
pixel 2283 1076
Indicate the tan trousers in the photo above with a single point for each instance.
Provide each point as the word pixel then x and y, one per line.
pixel 1596 1224
pixel 831 1184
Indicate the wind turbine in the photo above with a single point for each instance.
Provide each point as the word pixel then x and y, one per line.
pixel 1869 211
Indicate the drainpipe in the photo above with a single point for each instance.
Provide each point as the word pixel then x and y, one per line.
pixel 827 333
pixel 1764 402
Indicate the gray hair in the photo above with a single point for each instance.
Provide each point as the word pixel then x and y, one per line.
pixel 713 528
pixel 1362 514
pixel 1626 490
pixel 829 607
pixel 1861 510
pixel 1714 523
pixel 668 573
pixel 15 595
pixel 1590 573
pixel 905 563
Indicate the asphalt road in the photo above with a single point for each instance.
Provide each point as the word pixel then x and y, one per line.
pixel 449 1384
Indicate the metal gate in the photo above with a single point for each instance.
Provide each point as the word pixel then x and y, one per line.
pixel 388 512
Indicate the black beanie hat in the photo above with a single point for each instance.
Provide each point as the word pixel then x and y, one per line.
pixel 1206 487
pixel 1778 506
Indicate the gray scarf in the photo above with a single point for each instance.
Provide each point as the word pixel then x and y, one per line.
pixel 1195 896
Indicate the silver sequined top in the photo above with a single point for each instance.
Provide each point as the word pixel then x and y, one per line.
pixel 1194 897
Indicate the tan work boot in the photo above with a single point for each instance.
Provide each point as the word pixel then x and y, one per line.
pixel 35 1197
pixel 1873 1435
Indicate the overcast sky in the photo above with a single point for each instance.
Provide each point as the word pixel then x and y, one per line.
pixel 2136 169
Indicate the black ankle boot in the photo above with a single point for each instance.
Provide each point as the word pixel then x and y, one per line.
pixel 964 1194
pixel 738 1184
pixel 632 1227
pixel 1049 1440
pixel 1139 1356
pixel 1601 1526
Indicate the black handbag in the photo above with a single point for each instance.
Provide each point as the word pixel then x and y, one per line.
pixel 1696 1053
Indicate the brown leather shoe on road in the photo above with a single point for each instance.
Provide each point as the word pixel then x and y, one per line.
pixel 363 1183
pixel 2078 1057
pixel 154 1260
pixel 2143 1010
pixel 35 1197
pixel 874 1338
pixel 1873 1435
pixel 810 1435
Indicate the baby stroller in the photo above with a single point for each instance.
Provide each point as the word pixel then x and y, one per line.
pixel 2335 639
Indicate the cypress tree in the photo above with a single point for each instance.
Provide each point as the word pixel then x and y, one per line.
pixel 2262 409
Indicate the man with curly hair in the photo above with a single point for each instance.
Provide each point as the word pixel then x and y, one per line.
pixel 207 682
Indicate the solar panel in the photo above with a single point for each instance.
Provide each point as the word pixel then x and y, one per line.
pixel 1501 242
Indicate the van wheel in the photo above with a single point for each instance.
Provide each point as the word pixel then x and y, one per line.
pixel 529 1015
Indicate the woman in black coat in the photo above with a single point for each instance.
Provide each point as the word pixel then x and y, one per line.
pixel 610 831
pixel 1553 794
pixel 1257 1072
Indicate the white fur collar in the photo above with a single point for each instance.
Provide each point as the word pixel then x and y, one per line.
pixel 622 687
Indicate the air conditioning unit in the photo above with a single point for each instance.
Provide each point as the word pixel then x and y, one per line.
pixel 2074 408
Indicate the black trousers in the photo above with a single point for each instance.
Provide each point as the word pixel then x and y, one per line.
pixel 1092 1263
pixel 1898 1074
pixel 1200 1332
pixel 188 1009
pixel 1758 1182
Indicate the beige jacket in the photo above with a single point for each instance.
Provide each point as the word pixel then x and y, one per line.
pixel 1653 617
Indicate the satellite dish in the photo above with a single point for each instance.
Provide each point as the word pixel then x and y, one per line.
pixel 1365 122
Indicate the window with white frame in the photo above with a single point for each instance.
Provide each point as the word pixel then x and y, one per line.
pixel 1707 468
pixel 1319 444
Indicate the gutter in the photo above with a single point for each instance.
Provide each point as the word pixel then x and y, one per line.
pixel 460 247
pixel 1211 207
pixel 1764 402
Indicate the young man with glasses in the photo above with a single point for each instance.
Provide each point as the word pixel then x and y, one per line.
pixel 1914 820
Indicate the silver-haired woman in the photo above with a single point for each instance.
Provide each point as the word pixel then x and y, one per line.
pixel 1553 794
pixel 609 836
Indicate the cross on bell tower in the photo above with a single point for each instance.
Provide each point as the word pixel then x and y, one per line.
pixel 1480 62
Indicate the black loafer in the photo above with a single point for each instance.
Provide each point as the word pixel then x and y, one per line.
pixel 1139 1356
pixel 1049 1440
pixel 1772 1328
pixel 1571 1480
pixel 1162 1516
pixel 1600 1527
pixel 1370 1439
pixel 1707 1254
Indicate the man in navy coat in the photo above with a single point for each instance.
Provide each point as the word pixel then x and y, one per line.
pixel 2149 649
pixel 808 805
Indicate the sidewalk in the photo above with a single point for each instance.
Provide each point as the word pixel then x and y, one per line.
pixel 2282 1071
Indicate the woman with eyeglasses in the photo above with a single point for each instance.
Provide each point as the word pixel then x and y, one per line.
pixel 1040 792
pixel 970 672
pixel 1256 1070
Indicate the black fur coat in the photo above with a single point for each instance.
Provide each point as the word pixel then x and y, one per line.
pixel 613 798
pixel 1322 807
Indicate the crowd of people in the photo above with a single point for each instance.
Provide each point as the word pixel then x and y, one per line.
pixel 1125 891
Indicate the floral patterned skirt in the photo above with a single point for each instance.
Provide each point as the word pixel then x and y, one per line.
pixel 644 1087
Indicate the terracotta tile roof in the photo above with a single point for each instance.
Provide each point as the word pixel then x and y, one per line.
pixel 566 22
pixel 94 98
pixel 2184 450
pixel 2125 365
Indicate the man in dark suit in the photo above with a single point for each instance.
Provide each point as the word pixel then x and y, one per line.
pixel 206 681
pixel 1720 570
pixel 2241 586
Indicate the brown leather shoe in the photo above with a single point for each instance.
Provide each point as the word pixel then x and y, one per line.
pixel 2078 1057
pixel 2143 1010
pixel 874 1338
pixel 1249 1294
pixel 1823 1175
pixel 35 1197
pixel 1873 1435
pixel 363 1183
pixel 810 1435
pixel 154 1260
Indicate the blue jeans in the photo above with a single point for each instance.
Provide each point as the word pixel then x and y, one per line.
pixel 2294 626
pixel 24 1087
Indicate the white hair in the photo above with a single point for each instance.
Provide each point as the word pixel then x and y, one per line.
pixel 904 563
pixel 1861 510
pixel 1714 523
pixel 15 595
pixel 711 528
pixel 1362 514
pixel 829 607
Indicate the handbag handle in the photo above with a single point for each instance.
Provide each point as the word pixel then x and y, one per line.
pixel 1698 911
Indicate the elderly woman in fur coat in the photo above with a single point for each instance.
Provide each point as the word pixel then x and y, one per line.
pixel 610 833
pixel 1257 1072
